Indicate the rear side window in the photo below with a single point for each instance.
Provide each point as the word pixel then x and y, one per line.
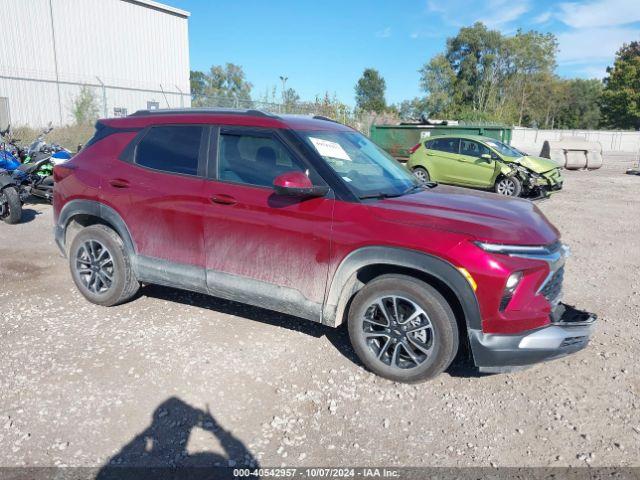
pixel 171 149
pixel 449 145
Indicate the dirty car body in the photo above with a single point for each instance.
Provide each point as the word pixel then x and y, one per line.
pixel 307 217
pixel 480 162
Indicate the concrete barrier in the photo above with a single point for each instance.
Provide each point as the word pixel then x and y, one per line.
pixel 531 140
pixel 574 153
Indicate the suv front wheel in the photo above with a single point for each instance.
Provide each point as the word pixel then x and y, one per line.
pixel 403 329
pixel 100 266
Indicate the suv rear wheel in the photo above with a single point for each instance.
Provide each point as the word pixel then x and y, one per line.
pixel 100 266
pixel 403 329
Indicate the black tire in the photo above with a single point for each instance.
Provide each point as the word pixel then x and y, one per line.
pixel 368 338
pixel 12 206
pixel 508 186
pixel 422 174
pixel 102 283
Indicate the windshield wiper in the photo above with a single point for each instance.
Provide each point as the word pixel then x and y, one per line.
pixel 379 195
pixel 420 186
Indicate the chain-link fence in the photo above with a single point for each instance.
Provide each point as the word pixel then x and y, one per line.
pixel 326 107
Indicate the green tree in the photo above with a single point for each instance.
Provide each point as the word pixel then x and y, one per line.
pixel 199 83
pixel 291 99
pixel 484 75
pixel 85 107
pixel 473 55
pixel 580 107
pixel 534 59
pixel 409 110
pixel 621 95
pixel 222 86
pixel 370 91
pixel 437 79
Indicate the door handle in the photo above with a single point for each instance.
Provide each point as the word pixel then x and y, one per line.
pixel 119 183
pixel 223 199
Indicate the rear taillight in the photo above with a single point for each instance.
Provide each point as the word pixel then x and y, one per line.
pixel 414 148
pixel 61 171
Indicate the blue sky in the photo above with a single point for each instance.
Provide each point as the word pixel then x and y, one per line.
pixel 325 45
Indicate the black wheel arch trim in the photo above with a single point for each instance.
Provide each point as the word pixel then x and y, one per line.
pixel 345 282
pixel 96 209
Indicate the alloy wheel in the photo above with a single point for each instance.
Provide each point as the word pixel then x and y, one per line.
pixel 421 175
pixel 95 266
pixel 506 187
pixel 398 332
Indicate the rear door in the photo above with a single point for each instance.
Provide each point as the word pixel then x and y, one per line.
pixel 442 159
pixel 158 193
pixel 475 171
pixel 263 248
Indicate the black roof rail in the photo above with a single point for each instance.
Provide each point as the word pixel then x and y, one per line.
pixel 322 117
pixel 200 111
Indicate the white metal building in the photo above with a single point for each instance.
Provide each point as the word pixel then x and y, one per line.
pixel 132 54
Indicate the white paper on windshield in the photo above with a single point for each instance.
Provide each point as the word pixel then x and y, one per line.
pixel 329 149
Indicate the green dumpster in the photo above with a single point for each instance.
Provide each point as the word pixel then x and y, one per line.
pixel 398 139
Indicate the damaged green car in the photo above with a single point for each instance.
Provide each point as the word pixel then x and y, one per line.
pixel 482 162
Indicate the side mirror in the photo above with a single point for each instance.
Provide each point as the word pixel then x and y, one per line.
pixel 486 156
pixel 297 184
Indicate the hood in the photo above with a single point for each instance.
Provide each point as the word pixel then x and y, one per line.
pixel 484 216
pixel 537 164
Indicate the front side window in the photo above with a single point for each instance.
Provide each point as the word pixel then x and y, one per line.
pixel 253 159
pixel 171 149
pixel 365 168
pixel 473 149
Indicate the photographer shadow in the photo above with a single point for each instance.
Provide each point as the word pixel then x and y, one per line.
pixel 160 451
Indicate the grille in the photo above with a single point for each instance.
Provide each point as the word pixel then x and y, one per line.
pixel 553 288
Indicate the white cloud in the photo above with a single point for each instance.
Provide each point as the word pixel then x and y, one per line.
pixel 494 13
pixel 599 13
pixel 384 33
pixel 542 18
pixel 589 44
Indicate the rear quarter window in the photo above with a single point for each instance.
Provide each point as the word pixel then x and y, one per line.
pixel 172 149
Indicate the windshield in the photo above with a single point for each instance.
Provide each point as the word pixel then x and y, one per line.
pixel 503 149
pixel 366 169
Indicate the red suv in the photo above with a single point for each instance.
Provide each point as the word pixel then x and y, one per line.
pixel 308 217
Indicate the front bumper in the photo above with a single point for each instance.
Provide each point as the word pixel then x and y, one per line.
pixel 568 332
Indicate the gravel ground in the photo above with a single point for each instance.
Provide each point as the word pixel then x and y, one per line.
pixel 181 378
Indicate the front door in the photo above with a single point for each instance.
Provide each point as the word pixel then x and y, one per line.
pixel 475 170
pixel 262 248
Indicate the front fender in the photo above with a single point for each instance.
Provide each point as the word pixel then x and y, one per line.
pixel 345 282
pixel 507 170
